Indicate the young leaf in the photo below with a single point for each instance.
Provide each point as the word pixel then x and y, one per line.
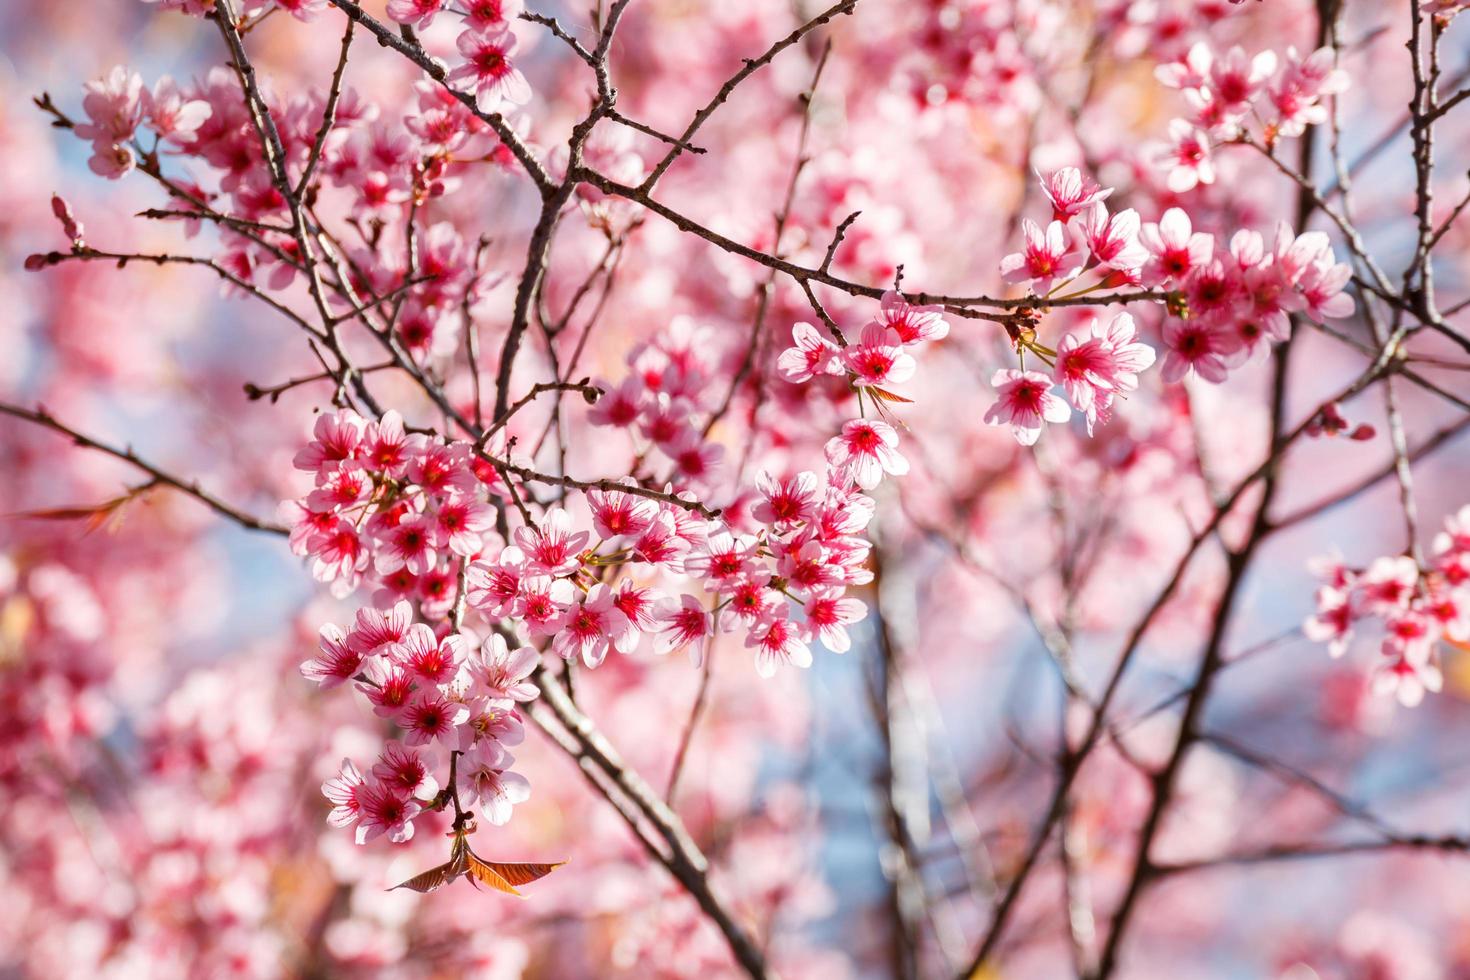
pixel 504 877
pixel 888 396
pixel 434 878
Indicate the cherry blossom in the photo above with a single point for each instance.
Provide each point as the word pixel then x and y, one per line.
pixel 864 451
pixel 1048 257
pixel 812 355
pixel 485 778
pixel 1071 193
pixel 1025 403
pixel 878 358
pixel 496 80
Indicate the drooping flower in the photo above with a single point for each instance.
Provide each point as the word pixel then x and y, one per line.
pixel 344 791
pixel 485 780
pixel 682 624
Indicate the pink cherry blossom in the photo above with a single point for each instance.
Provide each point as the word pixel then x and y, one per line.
pixel 345 792
pixel 375 629
pixel 404 769
pixel 431 717
pixel 417 13
pixel 1025 403
pixel 497 82
pixel 593 625
pixel 407 544
pixel 426 656
pixel 776 643
pixel 338 661
pixel 1187 157
pixel 912 324
pixel 485 780
pixel 1048 257
pixel 617 514
pixel 864 451
pixel 383 809
pixel 1175 248
pixel 552 548
pixel 544 604
pixel 622 406
pixel 173 116
pixel 1072 193
pixel 1095 370
pixel 683 624
pixel 723 561
pixel 878 358
pixel 812 355
pixel 1333 622
pixel 1112 239
pixel 787 502
pixel 501 672
pixel 485 15
pixel 1196 347
pixel 827 619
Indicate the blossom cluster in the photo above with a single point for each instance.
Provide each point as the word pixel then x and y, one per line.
pixel 410 515
pixel 1224 92
pixel 444 699
pixel 866 449
pixel 403 508
pixel 1227 304
pixel 118 104
pixel 1416 607
pixel 486 43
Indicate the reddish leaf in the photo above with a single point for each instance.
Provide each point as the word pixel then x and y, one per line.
pixel 888 396
pixel 504 877
pixel 438 877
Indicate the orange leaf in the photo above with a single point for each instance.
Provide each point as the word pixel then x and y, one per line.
pixel 504 877
pixel 888 396
pixel 519 874
pixel 434 878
